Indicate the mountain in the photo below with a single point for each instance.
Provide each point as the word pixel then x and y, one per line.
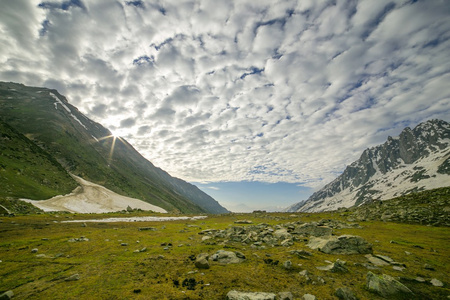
pixel 46 138
pixel 418 159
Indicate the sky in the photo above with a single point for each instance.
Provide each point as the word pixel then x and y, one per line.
pixel 259 103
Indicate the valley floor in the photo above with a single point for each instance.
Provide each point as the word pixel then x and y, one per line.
pixel 45 258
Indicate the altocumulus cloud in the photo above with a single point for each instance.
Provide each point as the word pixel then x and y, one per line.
pixel 211 91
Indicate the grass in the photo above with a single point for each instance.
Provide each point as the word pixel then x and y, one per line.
pixel 109 270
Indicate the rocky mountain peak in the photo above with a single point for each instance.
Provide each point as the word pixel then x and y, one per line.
pixel 418 159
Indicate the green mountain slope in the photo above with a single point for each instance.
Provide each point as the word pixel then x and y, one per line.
pixel 26 171
pixel 86 149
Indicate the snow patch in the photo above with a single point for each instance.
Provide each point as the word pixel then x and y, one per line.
pixel 92 198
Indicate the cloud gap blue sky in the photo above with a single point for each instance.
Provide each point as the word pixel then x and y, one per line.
pixel 217 91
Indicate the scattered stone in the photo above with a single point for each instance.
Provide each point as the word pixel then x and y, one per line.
pixel 44 239
pixel 83 225
pixel 285 296
pixel 236 295
pixel 147 228
pixel 429 267
pixel 7 295
pixel 226 257
pixel 344 244
pixel 397 268
pixel 311 229
pixel 308 297
pixel 385 258
pixel 34 250
pixel 74 277
pixel 80 239
pixel 301 253
pixel 201 261
pixel 287 265
pixel 386 286
pixel 337 267
pixel 124 244
pixel 345 294
pixel 243 222
pixel 407 253
pixel 436 282
pixel 376 261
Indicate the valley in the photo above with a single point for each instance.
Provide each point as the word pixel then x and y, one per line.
pixel 57 255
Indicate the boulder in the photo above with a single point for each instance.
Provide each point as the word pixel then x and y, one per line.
pixel 308 297
pixel 236 295
pixel 344 244
pixel 201 261
pixel 376 261
pixel 436 282
pixel 386 286
pixel 285 296
pixel 310 229
pixel 226 257
pixel 345 294
pixel 337 267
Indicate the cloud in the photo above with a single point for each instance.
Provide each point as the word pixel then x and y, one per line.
pixel 270 91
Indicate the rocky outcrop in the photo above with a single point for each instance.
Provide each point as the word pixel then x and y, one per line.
pixel 419 159
pixel 236 295
pixel 344 244
pixel 386 286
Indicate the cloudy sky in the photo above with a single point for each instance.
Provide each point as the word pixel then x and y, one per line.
pixel 258 102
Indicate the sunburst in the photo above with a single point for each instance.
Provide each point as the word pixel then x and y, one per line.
pixel 114 137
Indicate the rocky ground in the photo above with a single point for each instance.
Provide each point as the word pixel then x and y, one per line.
pixel 234 256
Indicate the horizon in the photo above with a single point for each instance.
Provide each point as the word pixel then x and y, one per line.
pixel 258 104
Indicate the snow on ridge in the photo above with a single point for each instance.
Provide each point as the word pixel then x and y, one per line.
pixel 66 108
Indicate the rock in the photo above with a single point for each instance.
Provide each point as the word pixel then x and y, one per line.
pixel 386 286
pixel 301 253
pixel 287 265
pixel 74 277
pixel 236 295
pixel 129 209
pixel 385 258
pixel 345 294
pixel 420 279
pixel 429 267
pixel 124 244
pixel 34 250
pixel 285 296
pixel 282 234
pixel 376 261
pixel 201 261
pixel 436 282
pixel 397 268
pixel 344 244
pixel 243 222
pixel 309 229
pixel 308 297
pixel 226 257
pixel 147 228
pixel 7 295
pixel 337 267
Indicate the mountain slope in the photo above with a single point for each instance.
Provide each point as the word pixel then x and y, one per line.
pixel 88 150
pixel 419 159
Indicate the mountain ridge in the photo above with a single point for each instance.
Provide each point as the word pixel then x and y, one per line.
pixel 88 150
pixel 418 159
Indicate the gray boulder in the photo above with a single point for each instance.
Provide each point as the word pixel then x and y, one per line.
pixel 310 229
pixel 201 261
pixel 345 294
pixel 344 244
pixel 236 295
pixel 308 297
pixel 226 257
pixel 386 286
pixel 337 267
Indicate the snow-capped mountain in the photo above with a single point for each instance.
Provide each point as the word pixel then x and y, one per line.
pixel 418 159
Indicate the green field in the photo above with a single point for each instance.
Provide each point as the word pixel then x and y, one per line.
pixel 109 269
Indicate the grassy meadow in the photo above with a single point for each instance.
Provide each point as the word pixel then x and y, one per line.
pixel 109 267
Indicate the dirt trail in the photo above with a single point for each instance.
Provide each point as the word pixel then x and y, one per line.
pixel 92 198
